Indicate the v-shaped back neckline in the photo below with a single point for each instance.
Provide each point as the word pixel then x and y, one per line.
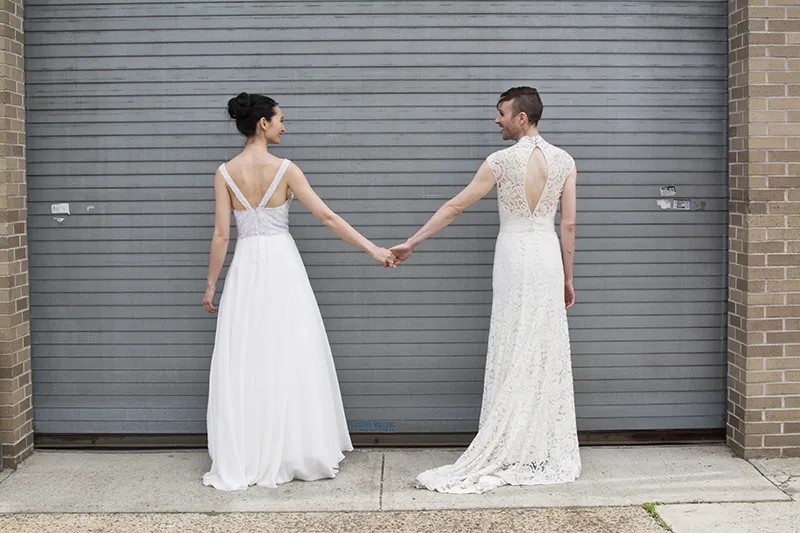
pixel 267 195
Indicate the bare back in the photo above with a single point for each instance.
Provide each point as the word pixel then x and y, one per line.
pixel 254 179
pixel 536 174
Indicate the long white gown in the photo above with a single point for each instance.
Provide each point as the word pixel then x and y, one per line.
pixel 527 432
pixel 274 408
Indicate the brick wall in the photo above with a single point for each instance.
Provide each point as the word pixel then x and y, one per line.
pixel 764 299
pixel 16 412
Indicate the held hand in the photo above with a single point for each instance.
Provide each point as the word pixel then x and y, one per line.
pixel 208 299
pixel 401 252
pixel 382 256
pixel 569 295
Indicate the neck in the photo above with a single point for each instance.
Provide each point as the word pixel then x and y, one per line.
pixel 256 143
pixel 532 131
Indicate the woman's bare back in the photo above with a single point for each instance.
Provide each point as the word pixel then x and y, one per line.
pixel 253 178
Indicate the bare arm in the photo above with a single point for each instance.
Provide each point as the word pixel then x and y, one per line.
pixel 568 218
pixel 219 240
pixel 481 184
pixel 302 190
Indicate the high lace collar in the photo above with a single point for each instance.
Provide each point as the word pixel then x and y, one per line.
pixel 532 138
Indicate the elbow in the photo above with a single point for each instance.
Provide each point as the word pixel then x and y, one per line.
pixel 328 218
pixel 452 210
pixel 221 238
pixel 568 225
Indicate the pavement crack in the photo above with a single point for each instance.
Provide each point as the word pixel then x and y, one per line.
pixel 784 485
pixel 776 480
pixel 4 475
pixel 383 470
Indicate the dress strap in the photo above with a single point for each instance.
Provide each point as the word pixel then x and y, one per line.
pixel 234 188
pixel 274 184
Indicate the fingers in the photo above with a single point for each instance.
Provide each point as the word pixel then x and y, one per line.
pixel 398 258
pixel 388 258
pixel 209 306
pixel 400 250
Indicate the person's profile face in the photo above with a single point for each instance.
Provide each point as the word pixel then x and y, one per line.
pixel 274 128
pixel 507 120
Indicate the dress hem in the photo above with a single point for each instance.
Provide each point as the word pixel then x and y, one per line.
pixel 213 480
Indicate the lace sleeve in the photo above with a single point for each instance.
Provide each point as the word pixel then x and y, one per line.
pixel 496 166
pixel 570 164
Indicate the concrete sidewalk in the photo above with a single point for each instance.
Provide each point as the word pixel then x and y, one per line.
pixel 700 488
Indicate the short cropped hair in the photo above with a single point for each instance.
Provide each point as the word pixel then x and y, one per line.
pixel 524 99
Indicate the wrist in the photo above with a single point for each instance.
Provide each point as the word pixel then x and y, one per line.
pixel 211 284
pixel 567 282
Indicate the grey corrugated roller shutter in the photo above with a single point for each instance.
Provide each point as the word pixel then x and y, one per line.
pixel 389 110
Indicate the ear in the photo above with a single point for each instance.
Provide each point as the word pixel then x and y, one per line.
pixel 524 116
pixel 264 123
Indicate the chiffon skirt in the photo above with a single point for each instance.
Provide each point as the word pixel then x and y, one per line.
pixel 274 408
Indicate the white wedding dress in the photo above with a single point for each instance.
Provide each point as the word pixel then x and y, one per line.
pixel 274 408
pixel 527 432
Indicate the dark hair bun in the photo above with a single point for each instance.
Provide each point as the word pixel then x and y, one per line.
pixel 240 107
pixel 249 109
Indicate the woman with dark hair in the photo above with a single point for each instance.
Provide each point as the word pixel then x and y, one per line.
pixel 274 408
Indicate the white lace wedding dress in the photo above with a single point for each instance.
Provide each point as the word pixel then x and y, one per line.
pixel 527 433
pixel 274 407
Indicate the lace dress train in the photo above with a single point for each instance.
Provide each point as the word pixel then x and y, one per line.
pixel 527 432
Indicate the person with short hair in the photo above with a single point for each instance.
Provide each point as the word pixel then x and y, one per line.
pixel 527 433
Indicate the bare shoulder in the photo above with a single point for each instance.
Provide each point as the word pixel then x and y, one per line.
pixel 233 161
pixel 243 161
pixel 293 170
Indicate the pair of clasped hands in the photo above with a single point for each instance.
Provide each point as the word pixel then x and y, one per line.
pixel 391 257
